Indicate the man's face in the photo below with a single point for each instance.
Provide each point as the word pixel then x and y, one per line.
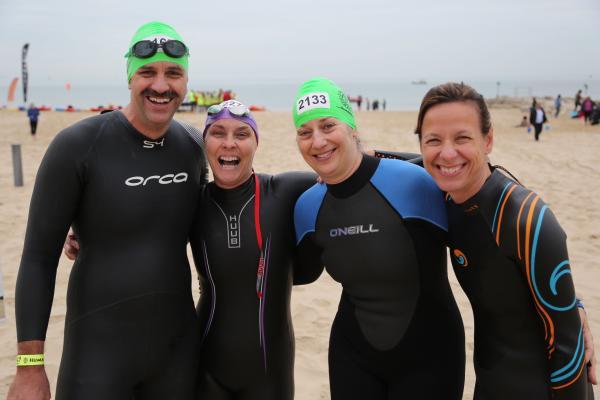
pixel 157 90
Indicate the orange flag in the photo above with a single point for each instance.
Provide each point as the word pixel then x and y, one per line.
pixel 12 89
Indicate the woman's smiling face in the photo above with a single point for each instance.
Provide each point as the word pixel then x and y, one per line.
pixel 455 149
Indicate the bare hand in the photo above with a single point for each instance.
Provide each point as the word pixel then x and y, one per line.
pixel 71 245
pixel 30 383
pixel 590 355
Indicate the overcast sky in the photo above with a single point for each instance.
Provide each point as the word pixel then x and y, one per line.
pixel 288 41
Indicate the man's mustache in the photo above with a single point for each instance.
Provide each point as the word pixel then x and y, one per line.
pixel 153 93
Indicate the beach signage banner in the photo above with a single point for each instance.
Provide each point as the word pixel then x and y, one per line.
pixel 24 71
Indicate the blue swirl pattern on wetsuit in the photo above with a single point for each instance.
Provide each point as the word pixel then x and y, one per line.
pixel 553 277
pixel 528 335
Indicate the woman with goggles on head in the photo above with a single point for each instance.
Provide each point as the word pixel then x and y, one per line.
pixel 243 246
pixel 379 228
pixel 509 254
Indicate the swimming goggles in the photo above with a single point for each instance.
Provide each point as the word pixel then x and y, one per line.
pixel 148 48
pixel 239 110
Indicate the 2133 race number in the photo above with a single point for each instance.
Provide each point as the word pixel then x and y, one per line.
pixel 313 100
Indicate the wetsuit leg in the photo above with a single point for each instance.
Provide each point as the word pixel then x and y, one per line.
pixel 210 389
pixel 347 379
pixel 178 379
pixel 279 387
pixel 100 358
pixel 269 391
pixel 134 349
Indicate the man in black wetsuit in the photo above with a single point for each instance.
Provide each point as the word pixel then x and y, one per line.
pixel 128 182
pixel 243 245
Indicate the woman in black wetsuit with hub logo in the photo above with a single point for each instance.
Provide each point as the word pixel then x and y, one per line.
pixel 243 245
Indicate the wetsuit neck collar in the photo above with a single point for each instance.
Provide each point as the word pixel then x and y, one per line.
pixel 245 190
pixel 492 184
pixel 357 180
pixel 144 141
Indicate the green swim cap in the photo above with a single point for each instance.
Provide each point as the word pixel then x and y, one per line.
pixel 321 98
pixel 153 31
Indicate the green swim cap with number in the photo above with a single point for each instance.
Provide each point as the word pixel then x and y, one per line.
pixel 154 31
pixel 321 98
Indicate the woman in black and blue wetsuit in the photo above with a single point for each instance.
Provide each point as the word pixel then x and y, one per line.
pixel 243 246
pixel 379 228
pixel 509 254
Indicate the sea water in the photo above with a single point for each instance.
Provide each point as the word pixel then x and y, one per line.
pixel 399 96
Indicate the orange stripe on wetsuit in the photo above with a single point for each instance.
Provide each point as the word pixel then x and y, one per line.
pixel 519 224
pixel 502 213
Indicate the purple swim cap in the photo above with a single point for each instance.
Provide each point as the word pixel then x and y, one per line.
pixel 230 109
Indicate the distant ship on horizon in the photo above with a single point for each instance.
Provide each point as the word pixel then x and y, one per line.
pixel 419 82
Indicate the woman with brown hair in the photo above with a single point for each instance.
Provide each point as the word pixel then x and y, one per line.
pixel 509 254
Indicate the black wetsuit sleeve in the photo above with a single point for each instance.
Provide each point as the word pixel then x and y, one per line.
pixel 546 264
pixel 413 158
pixel 294 183
pixel 53 207
pixel 196 136
pixel 204 172
pixel 308 265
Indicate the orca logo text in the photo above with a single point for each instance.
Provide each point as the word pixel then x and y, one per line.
pixel 163 180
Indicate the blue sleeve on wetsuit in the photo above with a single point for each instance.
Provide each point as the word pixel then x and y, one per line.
pixel 307 209
pixel 411 191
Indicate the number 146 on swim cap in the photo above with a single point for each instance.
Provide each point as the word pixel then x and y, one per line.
pixel 312 101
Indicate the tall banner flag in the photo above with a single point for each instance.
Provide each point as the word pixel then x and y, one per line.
pixel 24 71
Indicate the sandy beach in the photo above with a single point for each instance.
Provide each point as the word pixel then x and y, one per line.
pixel 562 168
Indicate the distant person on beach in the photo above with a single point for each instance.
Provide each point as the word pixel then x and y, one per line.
pixel 587 107
pixel 524 123
pixel 368 104
pixel 378 226
pixel 375 105
pixel 383 104
pixel 557 105
pixel 537 118
pixel 595 117
pixel 33 113
pixel 128 182
pixel 577 100
pixel 533 105
pixel 509 255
